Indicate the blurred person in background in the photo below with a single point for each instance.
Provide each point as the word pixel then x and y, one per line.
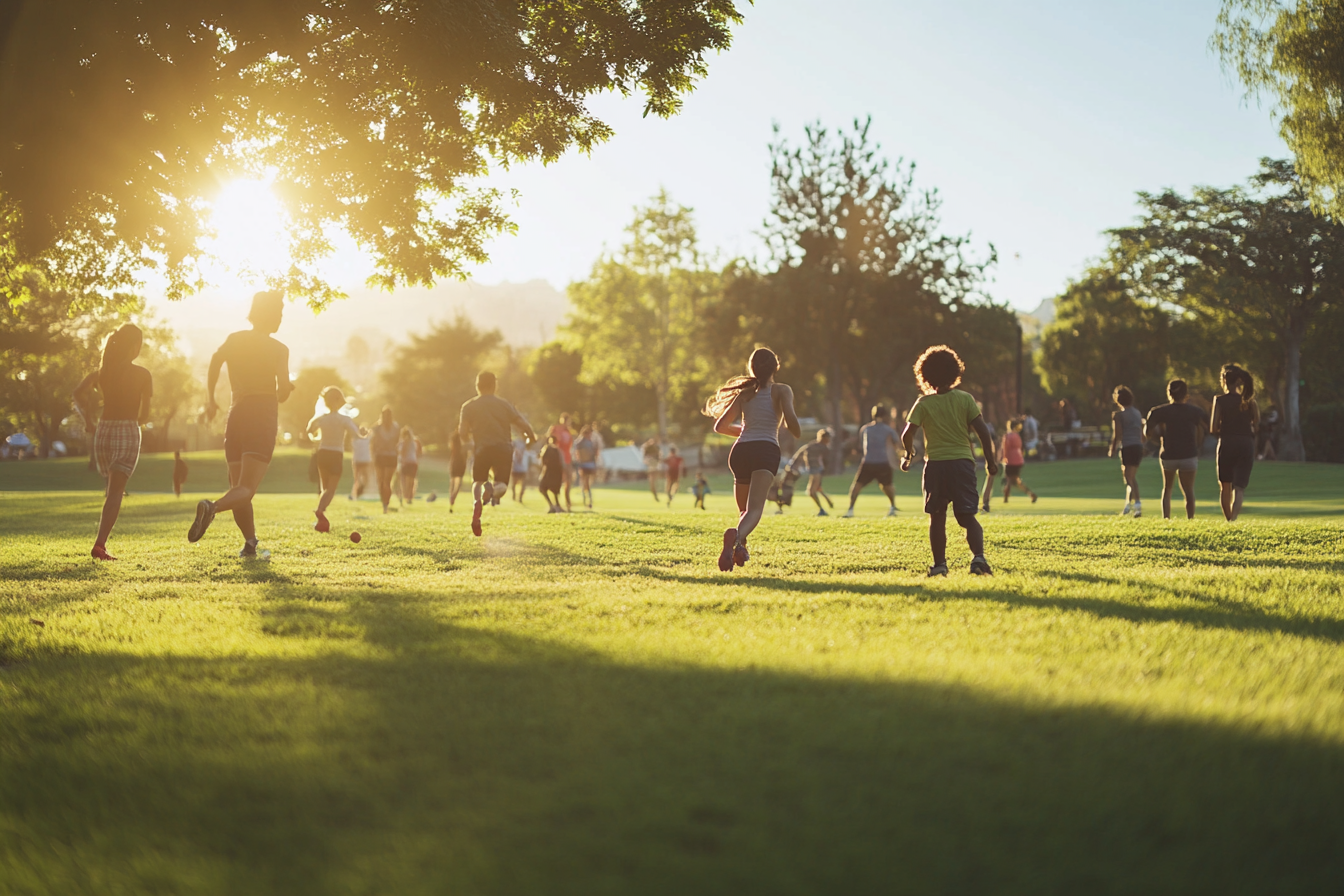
pixel 383 443
pixel 409 450
pixel 331 429
pixel 1127 437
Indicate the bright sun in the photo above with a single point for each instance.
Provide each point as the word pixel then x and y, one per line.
pixel 250 240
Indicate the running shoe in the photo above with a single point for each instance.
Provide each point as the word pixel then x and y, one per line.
pixel 249 551
pixel 891 512
pixel 726 555
pixel 323 524
pixel 476 509
pixel 1129 508
pixel 985 507
pixel 779 511
pixel 938 570
pixel 1033 497
pixel 822 512
pixel 980 567
pixel 848 514
pixel 99 552
pixel 740 555
pixel 205 515
pixel 1138 509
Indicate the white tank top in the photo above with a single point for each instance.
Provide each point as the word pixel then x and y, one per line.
pixel 760 423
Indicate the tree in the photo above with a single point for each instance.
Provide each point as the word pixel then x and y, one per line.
pixel 176 385
pixel 638 317
pixel 431 376
pixel 123 118
pixel 1259 254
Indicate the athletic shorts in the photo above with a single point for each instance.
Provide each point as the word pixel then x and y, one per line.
pixel 385 461
pixel 587 466
pixel 1236 456
pixel 116 446
pixel 410 471
pixel 1180 464
pixel 330 462
pixel 492 459
pixel 1130 455
pixel 746 458
pixel 251 428
pixel 950 482
pixel 458 468
pixel 551 482
pixel 1012 471
pixel 869 472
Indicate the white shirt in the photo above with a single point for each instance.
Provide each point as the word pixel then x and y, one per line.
pixel 521 458
pixel 363 454
pixel 333 427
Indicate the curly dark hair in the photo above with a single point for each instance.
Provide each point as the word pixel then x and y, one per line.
pixel 938 368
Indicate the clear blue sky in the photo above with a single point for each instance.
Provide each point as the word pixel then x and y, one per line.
pixel 1036 121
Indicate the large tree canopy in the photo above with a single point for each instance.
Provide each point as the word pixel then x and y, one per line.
pixel 123 117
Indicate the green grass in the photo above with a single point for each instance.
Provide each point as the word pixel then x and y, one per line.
pixel 584 704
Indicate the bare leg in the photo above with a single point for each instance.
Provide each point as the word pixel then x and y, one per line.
pixel 653 484
pixel 116 488
pixel 740 491
pixel 938 537
pixel 1188 489
pixel 1236 504
pixel 1017 483
pixel 672 488
pixel 245 478
pixel 569 476
pixel 757 492
pixel 453 489
pixel 854 489
pixel 329 486
pixel 1132 484
pixel 1168 480
pixel 385 485
pixel 890 492
pixel 975 533
pixel 989 492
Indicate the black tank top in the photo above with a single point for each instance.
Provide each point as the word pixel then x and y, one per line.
pixel 1233 420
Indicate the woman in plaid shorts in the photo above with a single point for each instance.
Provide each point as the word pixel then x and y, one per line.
pixel 126 389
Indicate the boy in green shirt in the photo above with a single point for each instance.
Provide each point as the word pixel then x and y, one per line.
pixel 947 415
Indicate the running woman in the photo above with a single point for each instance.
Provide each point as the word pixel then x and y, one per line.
pixel 1013 460
pixel 361 463
pixel 332 427
pixel 457 467
pixel 700 489
pixel 552 475
pixel 258 381
pixel 876 437
pixel 487 419
pixel 1180 426
pixel 383 441
pixel 409 450
pixel 652 458
pixel 1236 417
pixel 811 459
pixel 564 440
pixel 127 389
pixel 946 414
pixel 761 403
pixel 674 464
pixel 1127 435
pixel 585 461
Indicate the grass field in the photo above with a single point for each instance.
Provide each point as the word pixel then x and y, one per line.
pixel 584 704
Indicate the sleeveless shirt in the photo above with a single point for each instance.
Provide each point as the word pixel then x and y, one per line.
pixel 760 423
pixel 1130 422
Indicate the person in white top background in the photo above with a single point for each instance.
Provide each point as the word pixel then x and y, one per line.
pixel 522 462
pixel 409 450
pixel 361 462
pixel 331 428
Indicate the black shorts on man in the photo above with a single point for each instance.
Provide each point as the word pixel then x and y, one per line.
pixel 492 462
pixel 881 473
pixel 251 428
pixel 1130 455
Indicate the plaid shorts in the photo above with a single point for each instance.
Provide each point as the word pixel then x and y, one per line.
pixel 116 446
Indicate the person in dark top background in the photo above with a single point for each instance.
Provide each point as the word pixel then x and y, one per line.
pixel 126 388
pixel 179 473
pixel 1180 426
pixel 552 474
pixel 488 420
pixel 1235 419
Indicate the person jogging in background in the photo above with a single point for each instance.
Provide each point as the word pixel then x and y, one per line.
pixel 674 464
pixel 1031 433
pixel 1235 419
pixel 333 427
pixel 457 467
pixel 1180 427
pixel 564 441
pixel 259 380
pixel 700 489
pixel 552 474
pixel 383 442
pixel 811 460
pixel 652 458
pixel 584 454
pixel 989 479
pixel 127 389
pixel 876 439
pixel 179 473
pixel 1127 437
pixel 522 460
pixel 1267 425
pixel 946 414
pixel 361 464
pixel 1010 450
pixel 487 420
pixel 409 449
pixel 761 404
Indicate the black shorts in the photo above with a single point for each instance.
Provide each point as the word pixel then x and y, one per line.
pixel 410 471
pixel 385 461
pixel 746 458
pixel 551 482
pixel 492 459
pixel 1236 456
pixel 1012 471
pixel 457 467
pixel 869 472
pixel 950 482
pixel 251 428
pixel 1130 455
pixel 330 462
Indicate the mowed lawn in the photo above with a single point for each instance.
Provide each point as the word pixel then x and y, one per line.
pixel 583 704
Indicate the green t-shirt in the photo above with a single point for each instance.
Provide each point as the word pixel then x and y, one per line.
pixel 946 419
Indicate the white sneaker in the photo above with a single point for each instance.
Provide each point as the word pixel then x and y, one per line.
pixel 891 512
pixel 848 513
pixel 1138 509
pixel 1129 508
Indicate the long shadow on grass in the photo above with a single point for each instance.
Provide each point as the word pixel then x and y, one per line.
pixel 456 760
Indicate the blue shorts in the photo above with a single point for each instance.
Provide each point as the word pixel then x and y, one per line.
pixel 587 466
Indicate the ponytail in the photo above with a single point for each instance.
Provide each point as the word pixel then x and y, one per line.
pixel 122 347
pixel 760 368
pixel 1233 376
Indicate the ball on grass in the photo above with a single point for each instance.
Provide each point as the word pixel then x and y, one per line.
pixel 355 537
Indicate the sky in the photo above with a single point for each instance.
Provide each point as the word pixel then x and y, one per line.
pixel 1037 122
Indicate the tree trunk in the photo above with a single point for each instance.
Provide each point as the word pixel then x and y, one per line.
pixel 662 415
pixel 835 393
pixel 1290 439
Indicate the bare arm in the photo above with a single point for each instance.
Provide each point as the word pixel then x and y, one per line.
pixel 1216 421
pixel 908 445
pixel 1115 434
pixel 725 425
pixel 521 422
pixel 212 382
pixel 986 444
pixel 1255 416
pixel 786 409
pixel 145 398
pixel 283 385
pixel 83 396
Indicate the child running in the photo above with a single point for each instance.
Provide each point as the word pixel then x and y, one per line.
pixel 1180 427
pixel 761 403
pixel 332 427
pixel 522 461
pixel 947 414
pixel 584 454
pixel 258 381
pixel 383 442
pixel 652 458
pixel 700 489
pixel 564 441
pixel 552 474
pixel 487 419
pixel 1236 417
pixel 127 389
pixel 409 450
pixel 875 438
pixel 1127 435
pixel 674 464
pixel 1013 461
pixel 457 467
pixel 813 463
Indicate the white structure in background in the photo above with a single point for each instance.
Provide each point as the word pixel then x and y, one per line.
pixel 623 459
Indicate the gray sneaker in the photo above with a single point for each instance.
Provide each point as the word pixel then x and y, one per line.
pixel 980 567
pixel 249 551
pixel 205 515
pixel 939 570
